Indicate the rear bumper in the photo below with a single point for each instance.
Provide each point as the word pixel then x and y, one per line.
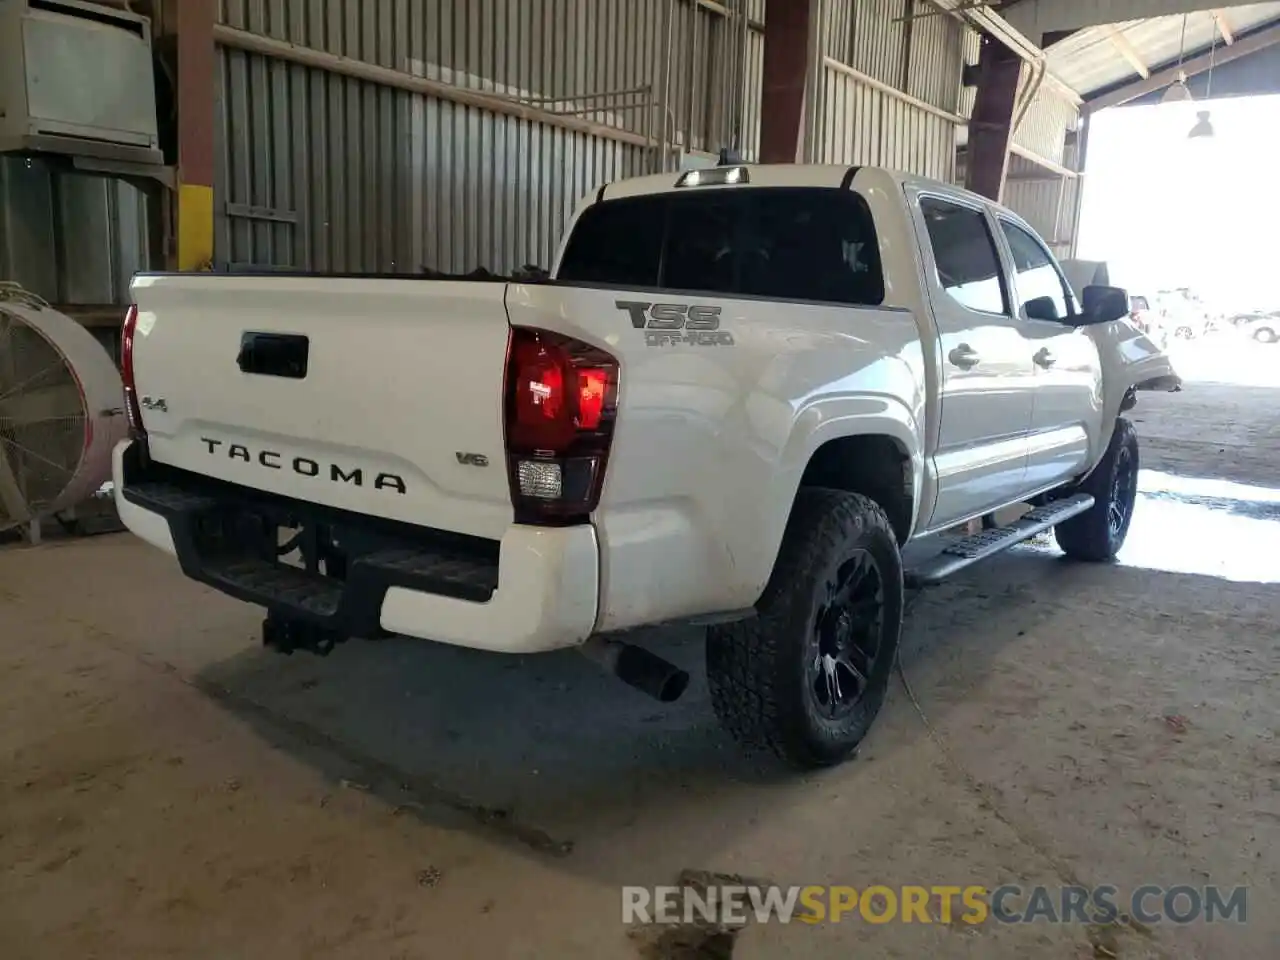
pixel 536 589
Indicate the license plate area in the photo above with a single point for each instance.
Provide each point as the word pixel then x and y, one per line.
pixel 225 535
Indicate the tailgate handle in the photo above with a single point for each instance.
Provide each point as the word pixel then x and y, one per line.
pixel 274 354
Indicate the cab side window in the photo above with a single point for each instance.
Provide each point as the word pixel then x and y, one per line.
pixel 1042 292
pixel 964 253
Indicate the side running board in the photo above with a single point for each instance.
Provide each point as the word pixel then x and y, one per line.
pixel 960 554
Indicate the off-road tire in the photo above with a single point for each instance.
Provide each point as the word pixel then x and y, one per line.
pixel 1090 535
pixel 757 669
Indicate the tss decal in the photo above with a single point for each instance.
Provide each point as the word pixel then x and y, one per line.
pixel 669 324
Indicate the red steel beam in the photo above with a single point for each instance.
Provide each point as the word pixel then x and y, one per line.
pixel 189 24
pixel 991 127
pixel 786 70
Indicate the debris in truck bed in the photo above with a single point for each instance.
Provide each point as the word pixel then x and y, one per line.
pixel 524 274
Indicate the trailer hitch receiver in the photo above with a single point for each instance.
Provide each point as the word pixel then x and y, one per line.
pixel 286 635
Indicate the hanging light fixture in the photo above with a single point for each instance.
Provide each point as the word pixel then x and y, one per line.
pixel 1203 128
pixel 1178 91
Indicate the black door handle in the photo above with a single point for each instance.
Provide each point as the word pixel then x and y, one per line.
pixel 274 354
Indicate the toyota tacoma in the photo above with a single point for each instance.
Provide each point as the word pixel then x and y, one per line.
pixel 734 399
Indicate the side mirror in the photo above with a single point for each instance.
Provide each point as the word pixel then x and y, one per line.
pixel 1105 304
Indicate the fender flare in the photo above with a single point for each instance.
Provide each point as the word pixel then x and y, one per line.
pixel 1130 361
pixel 838 418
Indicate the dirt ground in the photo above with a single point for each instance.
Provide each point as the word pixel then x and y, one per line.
pixel 169 789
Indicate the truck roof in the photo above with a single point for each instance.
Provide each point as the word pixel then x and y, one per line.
pixel 795 175
pixel 771 175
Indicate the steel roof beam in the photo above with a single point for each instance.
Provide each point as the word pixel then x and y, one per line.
pixel 1243 47
pixel 1224 26
pixel 1121 43
pixel 984 18
pixel 1038 17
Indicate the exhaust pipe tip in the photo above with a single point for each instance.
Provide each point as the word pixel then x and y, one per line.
pixel 639 668
pixel 675 687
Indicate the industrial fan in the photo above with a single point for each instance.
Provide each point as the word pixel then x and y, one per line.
pixel 60 410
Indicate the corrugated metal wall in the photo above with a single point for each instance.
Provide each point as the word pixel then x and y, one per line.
pixel 1037 193
pixel 701 99
pixel 1044 127
pixel 325 165
pixel 862 124
pixel 1049 202
pixel 75 239
pixel 535 48
pixel 383 135
pixel 920 57
pixel 325 172
pixel 753 80
pixel 970 51
pixel 863 34
pixel 1043 203
pixel 890 88
pixel 938 48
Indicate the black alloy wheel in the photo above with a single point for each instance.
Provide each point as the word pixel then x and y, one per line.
pixel 847 636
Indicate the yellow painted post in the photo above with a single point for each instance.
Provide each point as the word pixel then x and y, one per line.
pixel 191 22
pixel 195 226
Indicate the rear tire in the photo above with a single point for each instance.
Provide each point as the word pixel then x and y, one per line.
pixel 1265 335
pixel 808 675
pixel 1099 532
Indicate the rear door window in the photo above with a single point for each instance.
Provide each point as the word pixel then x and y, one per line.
pixel 777 243
pixel 964 254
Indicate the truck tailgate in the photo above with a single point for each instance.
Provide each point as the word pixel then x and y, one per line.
pixel 379 396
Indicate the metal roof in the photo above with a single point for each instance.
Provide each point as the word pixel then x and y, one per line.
pixel 1094 58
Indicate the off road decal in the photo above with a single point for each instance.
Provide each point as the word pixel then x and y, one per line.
pixel 673 324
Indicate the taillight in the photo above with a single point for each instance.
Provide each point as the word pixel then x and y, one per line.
pixel 561 401
pixel 131 406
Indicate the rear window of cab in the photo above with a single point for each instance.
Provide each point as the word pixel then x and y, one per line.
pixel 782 243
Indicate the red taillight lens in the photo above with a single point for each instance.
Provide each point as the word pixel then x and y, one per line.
pixel 131 406
pixel 560 407
pixel 593 384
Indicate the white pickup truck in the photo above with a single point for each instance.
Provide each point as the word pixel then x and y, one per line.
pixel 740 392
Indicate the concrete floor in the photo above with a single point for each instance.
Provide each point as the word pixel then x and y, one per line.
pixel 168 789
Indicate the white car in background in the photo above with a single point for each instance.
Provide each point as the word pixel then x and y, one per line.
pixel 1148 321
pixel 1182 313
pixel 1262 327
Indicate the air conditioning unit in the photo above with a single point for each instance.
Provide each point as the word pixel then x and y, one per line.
pixel 76 78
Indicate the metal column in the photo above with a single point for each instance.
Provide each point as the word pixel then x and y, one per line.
pixel 190 26
pixel 991 128
pixel 787 27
